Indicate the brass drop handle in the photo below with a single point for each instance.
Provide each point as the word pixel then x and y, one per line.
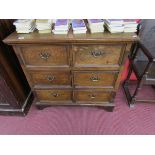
pixel 94 78
pixel 55 94
pixel 92 96
pixel 97 53
pixel 50 78
pixel 44 55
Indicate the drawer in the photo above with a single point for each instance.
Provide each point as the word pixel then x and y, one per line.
pixel 45 56
pixel 97 55
pixel 52 77
pixel 95 79
pixel 54 95
pixel 93 96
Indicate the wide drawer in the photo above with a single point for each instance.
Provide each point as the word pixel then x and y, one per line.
pixel 97 55
pixel 95 79
pixel 93 96
pixel 51 77
pixel 45 55
pixel 54 95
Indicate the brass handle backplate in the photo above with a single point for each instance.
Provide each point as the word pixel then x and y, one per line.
pixel 94 78
pixel 97 53
pixel 92 96
pixel 55 94
pixel 44 55
pixel 50 78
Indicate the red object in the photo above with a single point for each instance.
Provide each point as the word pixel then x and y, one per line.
pixel 125 72
pixel 138 20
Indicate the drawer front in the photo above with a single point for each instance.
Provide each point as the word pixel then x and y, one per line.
pixel 93 96
pixel 97 55
pixel 51 77
pixel 54 95
pixel 45 56
pixel 95 79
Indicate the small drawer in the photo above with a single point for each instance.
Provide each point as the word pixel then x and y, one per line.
pixel 97 55
pixel 93 96
pixel 54 95
pixel 105 79
pixel 45 56
pixel 54 78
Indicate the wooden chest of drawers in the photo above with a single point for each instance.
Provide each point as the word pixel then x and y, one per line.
pixel 72 69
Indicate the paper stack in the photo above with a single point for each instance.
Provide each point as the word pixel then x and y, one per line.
pixel 114 25
pixel 78 26
pixel 130 25
pixel 44 25
pixel 96 25
pixel 24 25
pixel 61 26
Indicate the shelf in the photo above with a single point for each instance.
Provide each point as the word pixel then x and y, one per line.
pixel 139 67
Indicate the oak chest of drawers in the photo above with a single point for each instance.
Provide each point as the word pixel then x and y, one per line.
pixel 83 69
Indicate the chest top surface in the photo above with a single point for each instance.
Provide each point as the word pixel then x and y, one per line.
pixel 36 38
